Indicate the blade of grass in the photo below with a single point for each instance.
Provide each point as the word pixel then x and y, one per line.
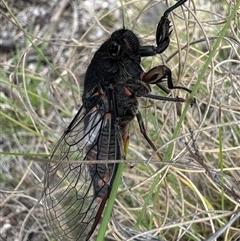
pixel 220 136
pixel 23 126
pixel 108 209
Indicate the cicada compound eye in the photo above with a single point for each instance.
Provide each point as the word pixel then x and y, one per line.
pixel 114 49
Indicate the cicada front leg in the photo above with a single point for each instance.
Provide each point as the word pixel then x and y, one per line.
pixel 162 73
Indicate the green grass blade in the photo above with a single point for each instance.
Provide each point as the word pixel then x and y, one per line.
pixel 108 209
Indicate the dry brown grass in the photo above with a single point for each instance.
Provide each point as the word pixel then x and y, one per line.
pixel 195 191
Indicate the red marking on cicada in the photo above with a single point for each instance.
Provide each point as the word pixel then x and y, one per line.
pixel 127 91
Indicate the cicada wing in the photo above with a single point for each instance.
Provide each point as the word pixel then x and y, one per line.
pixel 70 198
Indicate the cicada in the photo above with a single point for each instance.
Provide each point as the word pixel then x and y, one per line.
pixel 75 195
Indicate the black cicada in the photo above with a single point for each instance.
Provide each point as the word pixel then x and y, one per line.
pixel 75 195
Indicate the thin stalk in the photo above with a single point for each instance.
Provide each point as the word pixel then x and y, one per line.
pixel 108 209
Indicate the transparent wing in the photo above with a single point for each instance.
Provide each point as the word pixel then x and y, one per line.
pixel 73 192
